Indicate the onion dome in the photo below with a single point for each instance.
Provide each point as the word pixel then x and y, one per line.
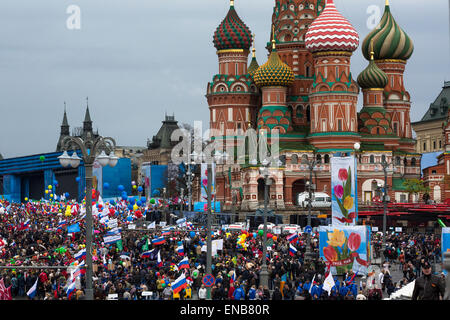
pixel 389 40
pixel 372 77
pixel 330 31
pixel 274 72
pixel 232 33
pixel 253 64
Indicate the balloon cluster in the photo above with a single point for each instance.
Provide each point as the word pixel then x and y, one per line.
pixel 241 244
pixel 68 211
pixel 50 192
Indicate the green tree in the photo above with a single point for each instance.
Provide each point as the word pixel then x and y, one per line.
pixel 415 186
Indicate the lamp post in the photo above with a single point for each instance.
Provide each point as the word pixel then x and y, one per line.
pixel 385 165
pixel 264 274
pixel 90 147
pixel 216 158
pixel 189 176
pixel 310 164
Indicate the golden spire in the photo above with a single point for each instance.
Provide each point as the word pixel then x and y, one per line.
pixel 371 49
pixel 273 37
pixel 254 50
pixel 387 2
pixel 232 3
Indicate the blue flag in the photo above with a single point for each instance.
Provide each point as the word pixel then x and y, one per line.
pixel 73 228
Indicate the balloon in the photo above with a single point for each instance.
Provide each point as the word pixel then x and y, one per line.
pixel 130 207
pixel 269 235
pixel 139 203
pixel 50 187
pixel 195 274
pixel 163 285
pixel 138 214
pixel 140 189
pixel 67 194
pixel 51 195
pixel 192 234
pixel 135 207
pixel 132 200
pixel 77 179
pixel 42 158
pixel 120 187
pixel 143 199
pixel 106 185
pixel 260 232
pixel 134 187
pixel 26 199
pixel 254 234
pixel 274 238
pixel 124 198
pixel 55 182
pixel 152 201
pixel 129 218
pixel 112 202
pixel 133 183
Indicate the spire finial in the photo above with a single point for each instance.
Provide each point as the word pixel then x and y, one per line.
pixel 254 49
pixel 64 107
pixel 372 53
pixel 231 3
pixel 387 3
pixel 273 37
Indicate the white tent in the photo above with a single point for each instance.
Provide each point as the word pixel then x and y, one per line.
pixel 404 293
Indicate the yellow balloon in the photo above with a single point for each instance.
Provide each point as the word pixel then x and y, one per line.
pixel 26 199
pixel 50 187
pixel 135 207
pixel 51 195
pixel 134 187
pixel 67 214
pixel 46 191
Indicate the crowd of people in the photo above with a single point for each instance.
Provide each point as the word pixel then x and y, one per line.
pixel 135 268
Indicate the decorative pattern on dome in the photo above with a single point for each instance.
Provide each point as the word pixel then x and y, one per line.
pixel 253 67
pixel 372 77
pixel 389 40
pixel 331 32
pixel 232 33
pixel 274 73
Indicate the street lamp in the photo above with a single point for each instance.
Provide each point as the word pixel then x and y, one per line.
pixel 264 274
pixel 385 165
pixel 89 147
pixel 190 175
pixel 310 164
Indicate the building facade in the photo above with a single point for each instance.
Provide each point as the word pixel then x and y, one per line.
pixel 429 132
pixel 307 92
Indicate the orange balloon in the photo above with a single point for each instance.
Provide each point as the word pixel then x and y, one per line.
pixel 274 238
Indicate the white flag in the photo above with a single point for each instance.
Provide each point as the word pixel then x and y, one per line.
pixel 329 283
pixel 312 283
pixel 152 225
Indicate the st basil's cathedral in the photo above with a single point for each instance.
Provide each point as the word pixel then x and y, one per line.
pixel 307 92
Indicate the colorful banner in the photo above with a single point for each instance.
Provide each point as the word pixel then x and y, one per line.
pixel 344 202
pixel 204 183
pixel 345 248
pixel 445 241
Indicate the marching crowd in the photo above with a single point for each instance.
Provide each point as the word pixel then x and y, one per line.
pixel 36 234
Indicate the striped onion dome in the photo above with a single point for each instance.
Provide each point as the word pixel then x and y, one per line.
pixel 372 77
pixel 389 40
pixel 232 33
pixel 330 31
pixel 274 72
pixel 253 65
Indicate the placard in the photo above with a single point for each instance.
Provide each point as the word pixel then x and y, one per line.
pixel 398 229
pixel 113 296
pixel 146 293
pixel 131 226
pixel 112 223
pixel 374 229
pixel 162 223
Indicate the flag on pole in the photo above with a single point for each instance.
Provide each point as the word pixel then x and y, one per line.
pixel 329 283
pixel 292 237
pixel 158 241
pixel 80 254
pixel 179 284
pixel 312 283
pixel 152 225
pixel 292 250
pixel 159 261
pixel 70 289
pixel 183 264
pixel 180 250
pixel 146 254
pixel 32 292
pixel 233 277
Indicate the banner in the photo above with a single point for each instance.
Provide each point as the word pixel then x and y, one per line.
pixel 97 172
pixel 445 241
pixel 344 202
pixel 204 183
pixel 345 248
pixel 112 239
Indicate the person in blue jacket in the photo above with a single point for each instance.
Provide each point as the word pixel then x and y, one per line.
pixel 307 285
pixel 316 291
pixel 252 293
pixel 239 293
pixel 343 290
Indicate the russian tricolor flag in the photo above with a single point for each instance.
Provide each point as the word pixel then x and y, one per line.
pixel 292 250
pixel 159 261
pixel 183 264
pixel 146 254
pixel 70 289
pixel 158 241
pixel 180 250
pixel 233 277
pixel 165 232
pixel 26 225
pixel 179 284
pixel 80 254
pixel 292 238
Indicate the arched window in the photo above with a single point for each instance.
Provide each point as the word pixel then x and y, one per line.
pixel 319 158
pixel 397 161
pixel 405 162
pixel 413 162
pixel 327 158
pixel 294 159
pixel 372 159
pixel 383 158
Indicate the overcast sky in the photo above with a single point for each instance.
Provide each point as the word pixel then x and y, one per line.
pixel 137 59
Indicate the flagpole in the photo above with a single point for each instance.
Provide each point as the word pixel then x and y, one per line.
pixel 208 230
